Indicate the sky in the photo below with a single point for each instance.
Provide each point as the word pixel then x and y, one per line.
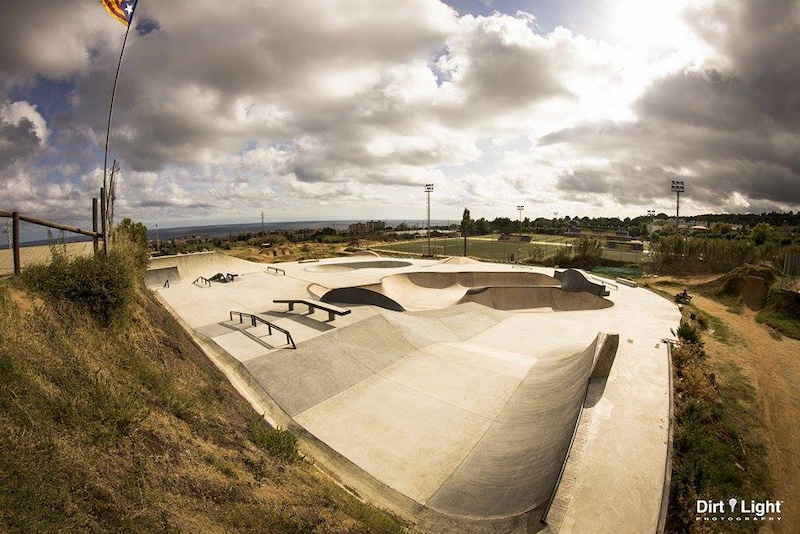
pixel 344 109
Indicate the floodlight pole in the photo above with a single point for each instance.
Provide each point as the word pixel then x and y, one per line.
pixel 677 187
pixel 520 208
pixel 428 190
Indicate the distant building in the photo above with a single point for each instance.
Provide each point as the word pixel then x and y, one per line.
pixel 369 227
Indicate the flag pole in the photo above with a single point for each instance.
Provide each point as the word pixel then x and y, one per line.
pixel 104 222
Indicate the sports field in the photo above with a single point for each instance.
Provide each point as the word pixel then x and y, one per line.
pixel 490 248
pixel 487 248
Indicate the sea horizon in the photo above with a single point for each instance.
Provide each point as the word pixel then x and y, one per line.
pixel 215 230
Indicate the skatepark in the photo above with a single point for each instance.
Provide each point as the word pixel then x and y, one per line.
pixel 462 396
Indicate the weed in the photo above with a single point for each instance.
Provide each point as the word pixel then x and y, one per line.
pixel 718 450
pixel 279 443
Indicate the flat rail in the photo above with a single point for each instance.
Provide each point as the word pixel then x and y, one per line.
pixel 332 310
pixel 276 271
pixel 255 320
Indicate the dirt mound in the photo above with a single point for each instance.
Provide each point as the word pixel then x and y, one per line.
pixel 734 283
pixel 754 292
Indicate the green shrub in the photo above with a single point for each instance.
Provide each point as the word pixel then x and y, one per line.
pixel 102 285
pixel 588 247
pixel 689 334
pixel 562 255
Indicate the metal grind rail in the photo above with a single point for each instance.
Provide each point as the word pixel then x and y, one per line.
pixel 255 320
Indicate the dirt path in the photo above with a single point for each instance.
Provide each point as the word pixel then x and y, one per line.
pixel 772 365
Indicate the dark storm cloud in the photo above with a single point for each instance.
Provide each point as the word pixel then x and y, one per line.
pixel 625 183
pixel 584 182
pixel 734 128
pixel 17 141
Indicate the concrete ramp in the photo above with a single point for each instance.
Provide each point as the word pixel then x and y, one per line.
pixel 524 298
pixel 355 265
pixel 154 278
pixel 515 465
pixel 438 280
pixel 205 264
pixel 418 291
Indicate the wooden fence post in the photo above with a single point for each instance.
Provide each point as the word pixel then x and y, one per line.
pixel 15 238
pixel 94 225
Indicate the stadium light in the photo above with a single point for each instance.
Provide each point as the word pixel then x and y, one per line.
pixel 428 190
pixel 677 187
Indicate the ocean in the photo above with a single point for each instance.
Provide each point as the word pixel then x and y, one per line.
pixel 32 235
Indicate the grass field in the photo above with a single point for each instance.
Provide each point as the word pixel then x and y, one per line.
pixel 487 248
pixel 490 248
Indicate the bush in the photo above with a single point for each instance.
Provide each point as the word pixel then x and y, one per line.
pixel 588 247
pixel 102 285
pixel 689 334
pixel 562 255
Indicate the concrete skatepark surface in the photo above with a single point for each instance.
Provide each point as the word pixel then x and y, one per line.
pixel 457 413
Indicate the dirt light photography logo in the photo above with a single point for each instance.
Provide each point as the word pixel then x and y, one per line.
pixel 737 510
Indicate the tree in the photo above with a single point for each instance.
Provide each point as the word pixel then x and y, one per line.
pixel 135 231
pixel 466 221
pixel 482 226
pixel 761 233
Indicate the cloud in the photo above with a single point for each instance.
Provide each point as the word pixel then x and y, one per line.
pixel 730 132
pixel 22 132
pixel 352 104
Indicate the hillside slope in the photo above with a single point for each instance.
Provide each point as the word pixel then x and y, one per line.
pixel 129 428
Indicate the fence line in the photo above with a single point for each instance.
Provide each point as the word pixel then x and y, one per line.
pixel 16 217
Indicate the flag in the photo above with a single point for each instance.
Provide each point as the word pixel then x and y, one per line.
pixel 121 10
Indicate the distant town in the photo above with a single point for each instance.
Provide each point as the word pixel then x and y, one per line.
pixel 615 233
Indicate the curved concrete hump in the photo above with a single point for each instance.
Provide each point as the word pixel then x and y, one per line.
pixel 353 265
pixel 497 290
pixel 458 260
pixel 440 280
pixel 522 298
pixel 360 295
pixel 317 290
pixel 573 280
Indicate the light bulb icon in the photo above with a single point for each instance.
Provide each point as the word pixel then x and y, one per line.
pixel 732 502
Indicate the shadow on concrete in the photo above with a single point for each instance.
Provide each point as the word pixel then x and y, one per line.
pixel 307 319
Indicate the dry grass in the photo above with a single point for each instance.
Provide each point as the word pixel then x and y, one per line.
pixel 130 428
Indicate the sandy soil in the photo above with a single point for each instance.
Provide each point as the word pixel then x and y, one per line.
pixel 772 365
pixel 292 251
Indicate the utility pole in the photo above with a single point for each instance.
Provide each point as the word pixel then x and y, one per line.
pixel 520 208
pixel 262 222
